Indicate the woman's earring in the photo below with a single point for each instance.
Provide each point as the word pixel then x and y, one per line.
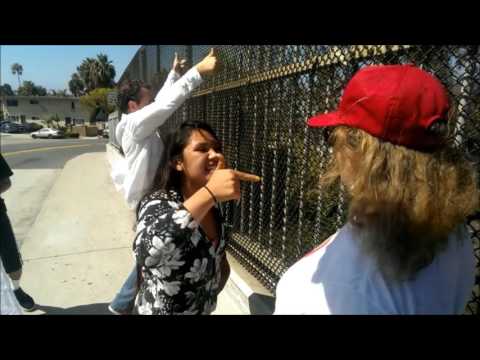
pixel 177 165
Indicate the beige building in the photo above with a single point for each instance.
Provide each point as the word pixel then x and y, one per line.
pixel 21 109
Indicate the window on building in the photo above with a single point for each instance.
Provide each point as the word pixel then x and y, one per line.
pixel 34 102
pixel 73 105
pixel 68 120
pixel 12 102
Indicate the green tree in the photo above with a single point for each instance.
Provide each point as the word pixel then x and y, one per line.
pixel 76 85
pixel 39 90
pixel 59 92
pixel 97 73
pixel 6 90
pixel 104 72
pixel 85 72
pixel 28 88
pixel 96 101
pixel 18 70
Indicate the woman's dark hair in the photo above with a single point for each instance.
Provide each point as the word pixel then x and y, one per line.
pixel 167 178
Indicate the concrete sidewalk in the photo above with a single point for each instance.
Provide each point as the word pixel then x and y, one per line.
pixel 78 253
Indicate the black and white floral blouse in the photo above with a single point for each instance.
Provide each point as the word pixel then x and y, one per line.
pixel 179 265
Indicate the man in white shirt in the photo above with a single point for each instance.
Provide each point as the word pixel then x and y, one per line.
pixel 137 134
pixel 405 248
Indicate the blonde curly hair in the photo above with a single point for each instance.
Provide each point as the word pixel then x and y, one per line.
pixel 403 203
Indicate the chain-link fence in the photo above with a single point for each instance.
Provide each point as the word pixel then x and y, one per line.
pixel 258 104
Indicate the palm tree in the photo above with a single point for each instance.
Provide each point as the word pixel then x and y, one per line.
pixel 96 73
pixel 6 89
pixel 105 71
pixel 17 69
pixel 86 71
pixel 76 85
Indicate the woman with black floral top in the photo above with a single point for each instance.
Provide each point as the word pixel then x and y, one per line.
pixel 180 240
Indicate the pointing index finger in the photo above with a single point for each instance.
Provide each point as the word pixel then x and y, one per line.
pixel 247 177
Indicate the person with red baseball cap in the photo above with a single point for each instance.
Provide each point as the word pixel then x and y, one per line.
pixel 405 248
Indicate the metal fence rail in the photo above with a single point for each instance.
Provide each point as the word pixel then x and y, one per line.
pixel 259 103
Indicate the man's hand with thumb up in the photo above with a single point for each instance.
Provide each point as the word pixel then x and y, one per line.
pixel 209 64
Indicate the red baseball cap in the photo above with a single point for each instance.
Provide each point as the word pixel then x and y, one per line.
pixel 396 103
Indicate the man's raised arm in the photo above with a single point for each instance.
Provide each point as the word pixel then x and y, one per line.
pixel 146 120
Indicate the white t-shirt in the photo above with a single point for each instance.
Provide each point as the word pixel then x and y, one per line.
pixel 141 145
pixel 337 278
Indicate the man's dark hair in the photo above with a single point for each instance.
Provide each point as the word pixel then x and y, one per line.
pixel 130 90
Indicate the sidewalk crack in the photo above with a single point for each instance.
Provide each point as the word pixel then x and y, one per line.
pixel 75 253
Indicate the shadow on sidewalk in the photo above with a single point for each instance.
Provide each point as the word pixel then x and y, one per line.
pixel 89 309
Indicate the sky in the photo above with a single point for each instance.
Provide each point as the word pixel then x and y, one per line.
pixel 52 66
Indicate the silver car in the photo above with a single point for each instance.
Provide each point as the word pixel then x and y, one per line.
pixel 48 133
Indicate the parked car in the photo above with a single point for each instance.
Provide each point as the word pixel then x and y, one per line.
pixel 48 133
pixel 5 127
pixel 30 127
pixel 9 127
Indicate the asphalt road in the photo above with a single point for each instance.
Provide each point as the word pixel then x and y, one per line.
pixel 24 153
pixel 36 164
